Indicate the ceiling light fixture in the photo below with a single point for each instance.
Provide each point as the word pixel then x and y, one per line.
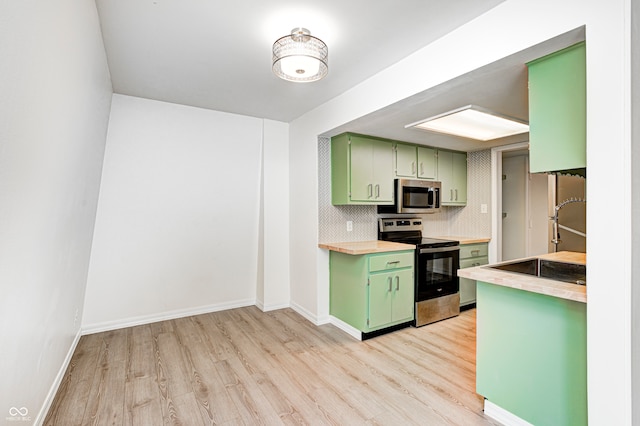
pixel 473 122
pixel 300 57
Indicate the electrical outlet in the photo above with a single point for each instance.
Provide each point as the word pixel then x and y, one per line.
pixel 483 208
pixel 75 318
pixel 349 225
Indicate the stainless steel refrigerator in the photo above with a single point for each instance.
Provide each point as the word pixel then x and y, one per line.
pixel 567 200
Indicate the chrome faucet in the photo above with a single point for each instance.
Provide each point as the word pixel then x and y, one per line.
pixel 556 233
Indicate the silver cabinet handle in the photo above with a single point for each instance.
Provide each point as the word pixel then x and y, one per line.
pixel 397 283
pixel 413 167
pixel 370 190
pixel 393 262
pixel 456 195
pixel 475 252
pixel 390 285
pixel 377 190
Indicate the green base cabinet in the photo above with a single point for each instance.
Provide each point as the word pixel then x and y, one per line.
pixel 471 255
pixel 362 170
pixel 532 355
pixel 557 111
pixel 452 173
pixel 373 291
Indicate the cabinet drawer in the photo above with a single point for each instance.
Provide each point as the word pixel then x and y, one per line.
pixel 388 261
pixel 474 250
pixel 474 261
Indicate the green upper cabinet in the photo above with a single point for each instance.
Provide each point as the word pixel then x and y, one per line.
pixel 416 162
pixel 361 170
pixel 452 173
pixel 406 164
pixel 557 111
pixel 427 163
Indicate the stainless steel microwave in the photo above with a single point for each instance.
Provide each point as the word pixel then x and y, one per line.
pixel 414 196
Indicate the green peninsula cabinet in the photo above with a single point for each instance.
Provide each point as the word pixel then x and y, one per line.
pixel 372 292
pixel 362 170
pixel 452 172
pixel 531 355
pixel 416 162
pixel 557 111
pixel 471 255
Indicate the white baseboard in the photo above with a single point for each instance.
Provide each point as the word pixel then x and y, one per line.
pixel 164 316
pixel 313 318
pixel 502 415
pixel 352 331
pixel 305 313
pixel 267 308
pixel 57 381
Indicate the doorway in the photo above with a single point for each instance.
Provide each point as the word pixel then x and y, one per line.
pixel 520 226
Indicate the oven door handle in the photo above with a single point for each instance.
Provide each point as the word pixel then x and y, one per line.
pixel 439 249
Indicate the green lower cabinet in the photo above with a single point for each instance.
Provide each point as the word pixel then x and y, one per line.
pixel 390 298
pixel 373 291
pixel 532 355
pixel 471 255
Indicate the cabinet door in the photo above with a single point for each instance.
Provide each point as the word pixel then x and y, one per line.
pixel 459 176
pixel 403 296
pixel 427 163
pixel 380 295
pixel 361 163
pixel 382 171
pixel 445 176
pixel 406 161
pixel 452 172
pixel 371 170
pixel 557 111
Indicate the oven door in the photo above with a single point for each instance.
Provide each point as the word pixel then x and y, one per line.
pixel 437 272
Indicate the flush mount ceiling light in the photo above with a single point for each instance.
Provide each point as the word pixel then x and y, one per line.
pixel 300 57
pixel 473 122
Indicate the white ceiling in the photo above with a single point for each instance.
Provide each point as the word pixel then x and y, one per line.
pixel 217 55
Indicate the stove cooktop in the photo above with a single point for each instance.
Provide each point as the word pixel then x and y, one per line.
pixel 409 231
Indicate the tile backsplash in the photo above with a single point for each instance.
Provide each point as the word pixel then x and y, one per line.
pixel 465 221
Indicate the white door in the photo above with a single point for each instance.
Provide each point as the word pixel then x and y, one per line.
pixel 514 207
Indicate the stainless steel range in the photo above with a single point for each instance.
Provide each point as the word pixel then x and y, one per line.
pixel 436 269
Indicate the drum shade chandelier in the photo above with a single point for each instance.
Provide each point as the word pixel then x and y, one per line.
pixel 300 57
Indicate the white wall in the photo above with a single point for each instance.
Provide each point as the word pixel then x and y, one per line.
pixel 54 105
pixel 274 289
pixel 511 27
pixel 177 229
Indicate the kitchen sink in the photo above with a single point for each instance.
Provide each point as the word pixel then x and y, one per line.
pixel 560 271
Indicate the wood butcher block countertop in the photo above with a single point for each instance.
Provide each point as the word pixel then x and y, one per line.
pixel 532 283
pixel 366 247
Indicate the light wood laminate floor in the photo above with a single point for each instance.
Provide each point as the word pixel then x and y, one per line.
pixel 245 367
